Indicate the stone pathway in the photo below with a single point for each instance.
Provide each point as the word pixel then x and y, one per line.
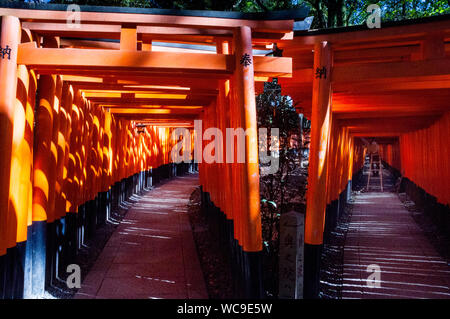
pixel 383 233
pixel 152 252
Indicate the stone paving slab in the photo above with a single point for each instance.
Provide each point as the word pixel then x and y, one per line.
pixel 382 232
pixel 152 253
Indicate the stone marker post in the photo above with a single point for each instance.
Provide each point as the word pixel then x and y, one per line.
pixel 292 227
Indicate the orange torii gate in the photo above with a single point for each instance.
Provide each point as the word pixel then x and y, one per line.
pixel 104 116
pixel 391 84
pixel 108 102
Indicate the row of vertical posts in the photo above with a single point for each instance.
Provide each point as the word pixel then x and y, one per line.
pixel 65 164
pixel 390 153
pixel 425 170
pixel 334 158
pixel 424 158
pixel 230 185
pixel 340 172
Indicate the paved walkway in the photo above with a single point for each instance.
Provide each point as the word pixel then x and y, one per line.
pixel 382 232
pixel 152 252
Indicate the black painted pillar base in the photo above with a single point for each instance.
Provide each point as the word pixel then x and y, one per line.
pixel 8 276
pixel 38 255
pixel 2 276
pixel 28 282
pixel 91 215
pixel 50 254
pixel 349 191
pixel 81 229
pixel 71 239
pixel 246 267
pixel 104 202
pixel 150 177
pixel 311 279
pixel 253 275
pixel 61 247
pixel 20 269
pixel 12 271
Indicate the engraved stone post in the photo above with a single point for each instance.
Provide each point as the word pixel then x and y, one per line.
pixel 291 256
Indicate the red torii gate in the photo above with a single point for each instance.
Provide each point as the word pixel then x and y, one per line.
pixel 397 75
pixel 91 95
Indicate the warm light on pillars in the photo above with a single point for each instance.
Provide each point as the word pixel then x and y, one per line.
pixel 320 126
pixel 246 105
pixel 22 161
pixel 10 36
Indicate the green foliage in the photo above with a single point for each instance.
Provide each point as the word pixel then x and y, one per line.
pixel 327 13
pixel 278 190
pixel 335 13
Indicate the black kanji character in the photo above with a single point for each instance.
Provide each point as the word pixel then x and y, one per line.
pixel 5 51
pixel 320 72
pixel 246 60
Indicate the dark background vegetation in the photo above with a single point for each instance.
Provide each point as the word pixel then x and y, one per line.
pixel 285 190
pixel 327 13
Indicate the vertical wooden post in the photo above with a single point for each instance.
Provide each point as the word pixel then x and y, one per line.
pixel 224 89
pixel 44 162
pixel 19 188
pixel 146 44
pixel 246 111
pixel 52 215
pixel 246 104
pixel 64 148
pixel 128 38
pixel 29 136
pixel 41 169
pixel 10 38
pixel 317 171
pixel 67 233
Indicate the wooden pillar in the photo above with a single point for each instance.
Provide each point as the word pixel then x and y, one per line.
pixel 54 152
pixel 64 148
pixel 72 180
pixel 246 104
pixel 10 38
pixel 19 188
pixel 44 163
pixel 41 174
pixel 317 171
pixel 246 111
pixel 146 44
pixel 29 137
pixel 128 38
pixel 223 99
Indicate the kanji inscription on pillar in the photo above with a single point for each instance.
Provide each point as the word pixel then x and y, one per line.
pixel 246 60
pixel 6 51
pixel 321 72
pixel 291 256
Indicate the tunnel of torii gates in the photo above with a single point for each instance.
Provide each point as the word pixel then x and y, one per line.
pixel 87 114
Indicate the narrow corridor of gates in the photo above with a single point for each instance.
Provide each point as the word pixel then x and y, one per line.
pixel 383 239
pixel 152 252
